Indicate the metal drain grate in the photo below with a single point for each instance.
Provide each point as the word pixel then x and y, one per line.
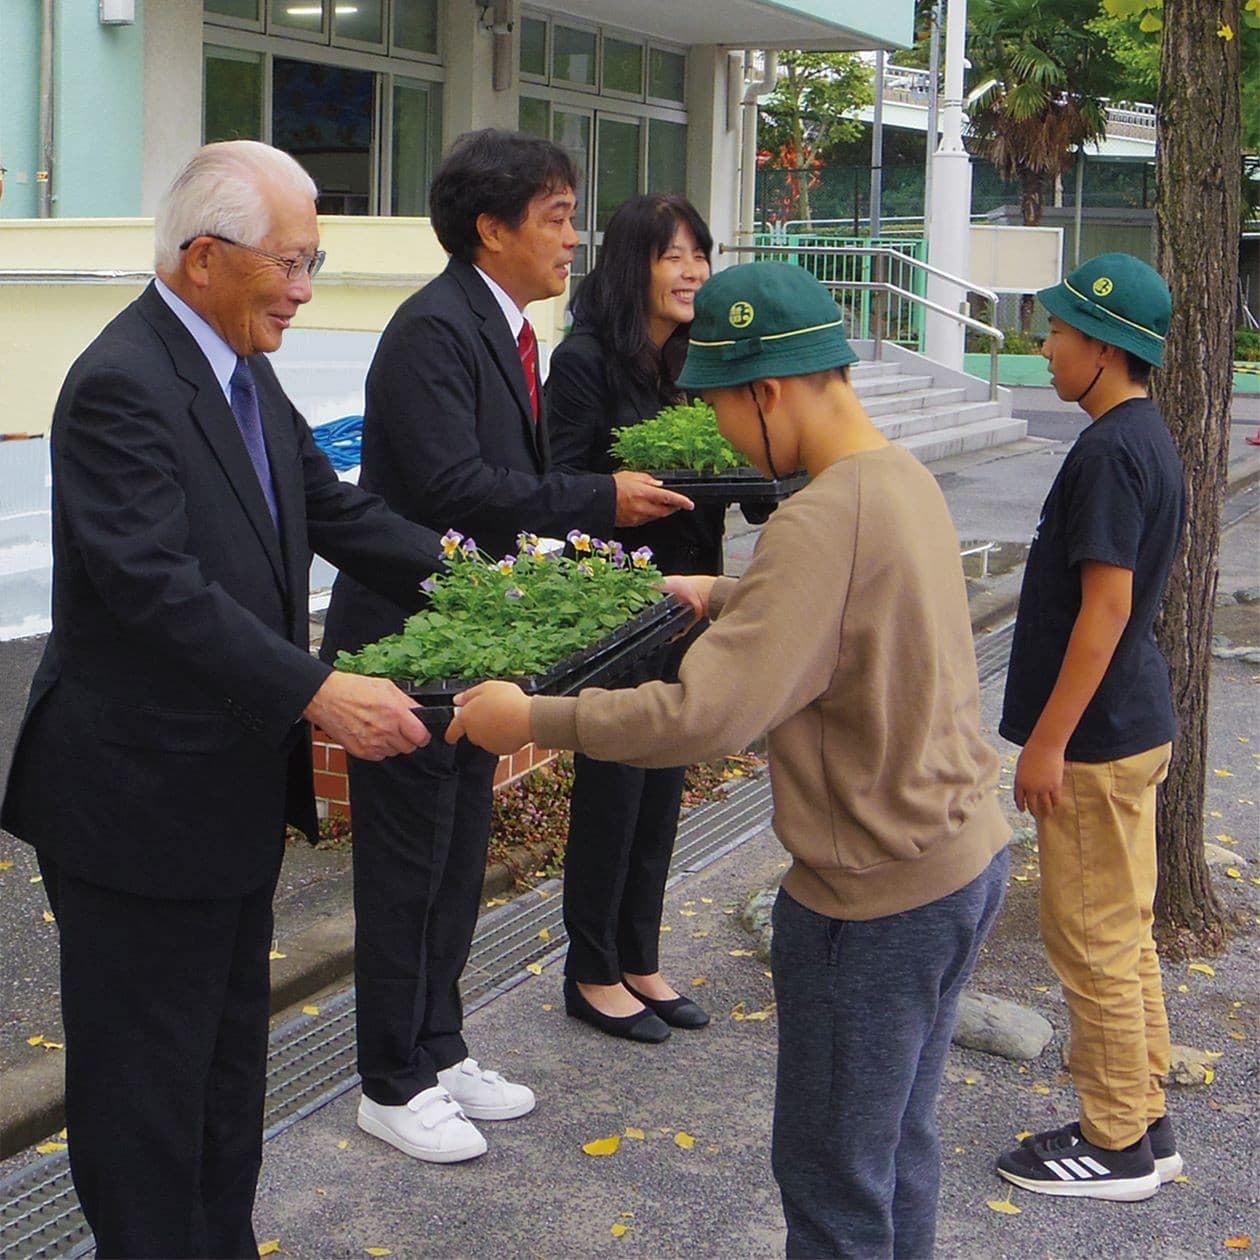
pixel 993 651
pixel 311 1058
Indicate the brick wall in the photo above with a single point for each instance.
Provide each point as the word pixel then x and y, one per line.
pixel 332 787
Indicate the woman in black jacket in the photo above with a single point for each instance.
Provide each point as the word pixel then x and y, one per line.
pixel 616 368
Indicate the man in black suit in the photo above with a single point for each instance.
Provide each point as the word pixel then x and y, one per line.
pixel 164 747
pixel 454 438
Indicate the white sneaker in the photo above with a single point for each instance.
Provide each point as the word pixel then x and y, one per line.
pixel 431 1126
pixel 485 1095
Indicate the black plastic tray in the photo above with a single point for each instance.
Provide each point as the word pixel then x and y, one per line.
pixel 603 661
pixel 738 485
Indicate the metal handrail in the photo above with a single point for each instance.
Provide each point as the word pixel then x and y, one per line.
pixel 997 338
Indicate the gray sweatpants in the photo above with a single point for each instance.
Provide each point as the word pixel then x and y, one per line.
pixel 866 1010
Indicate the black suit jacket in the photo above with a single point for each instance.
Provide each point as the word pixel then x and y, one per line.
pixel 449 441
pixel 584 406
pixel 162 749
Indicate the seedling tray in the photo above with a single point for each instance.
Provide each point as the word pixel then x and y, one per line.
pixel 602 662
pixel 737 485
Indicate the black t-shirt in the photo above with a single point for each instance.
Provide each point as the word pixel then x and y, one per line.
pixel 1119 499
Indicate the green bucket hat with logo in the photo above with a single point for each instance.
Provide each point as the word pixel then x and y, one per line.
pixel 762 319
pixel 1118 299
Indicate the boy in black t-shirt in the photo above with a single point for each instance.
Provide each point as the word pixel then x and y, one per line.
pixel 1088 697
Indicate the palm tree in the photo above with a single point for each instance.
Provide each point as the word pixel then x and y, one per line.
pixel 1044 74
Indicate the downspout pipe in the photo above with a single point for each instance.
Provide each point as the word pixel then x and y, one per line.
pixel 748 166
pixel 43 176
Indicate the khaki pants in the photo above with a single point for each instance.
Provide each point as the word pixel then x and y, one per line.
pixel 1098 869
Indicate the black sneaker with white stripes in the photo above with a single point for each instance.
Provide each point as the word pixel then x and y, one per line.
pixel 1168 1161
pixel 1062 1162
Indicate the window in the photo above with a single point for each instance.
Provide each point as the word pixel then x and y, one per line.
pixel 363 21
pixel 667 75
pixel 291 16
pixel 623 67
pixel 245 10
pixel 416 26
pixel 667 156
pixel 416 128
pixel 573 55
pixel 234 94
pixel 617 166
pixel 534 47
pixel 534 116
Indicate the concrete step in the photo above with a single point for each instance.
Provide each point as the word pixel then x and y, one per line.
pixel 934 419
pixel 890 383
pixel 912 400
pixel 966 436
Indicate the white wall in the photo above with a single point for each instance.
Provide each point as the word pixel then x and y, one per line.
pixel 172 93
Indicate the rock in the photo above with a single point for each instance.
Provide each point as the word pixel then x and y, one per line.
pixel 1225 652
pixel 755 919
pixel 1248 595
pixel 1188 1066
pixel 1225 600
pixel 999 1027
pixel 1218 855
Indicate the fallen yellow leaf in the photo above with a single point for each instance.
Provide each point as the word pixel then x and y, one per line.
pixel 602 1146
pixel 35 1040
pixel 49 917
pixel 547 1006
pixel 1181 1179
pixel 1237 1036
pixel 6 864
pixel 273 957
pixel 341 1146
pixel 496 901
pixel 684 1140
pixel 1233 872
pixel 52 1045
pixel 742 953
pixel 47 1148
pixel 378 1251
pixel 544 934
pixel 637 1134
pixel 1208 1076
pixel 1223 774
pixel 688 914
pixel 737 1011
pixel 1224 839
pixel 1041 988
pixel 1226 32
pixel 619 1230
pixel 37 879
pixel 534 969
pixel 706 901
pixel 1005 1206
pixel 1019 1137
pixel 666 928
pixel 971 1080
pixel 699 980
pixel 269 1248
pixel 1239 1242
pixel 1202 968
pixel 1183 988
pixel 1041 1089
pixel 310 1010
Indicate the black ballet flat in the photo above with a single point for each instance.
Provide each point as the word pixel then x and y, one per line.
pixel 642 1026
pixel 679 1012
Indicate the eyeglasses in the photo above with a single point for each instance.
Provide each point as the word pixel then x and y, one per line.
pixel 302 265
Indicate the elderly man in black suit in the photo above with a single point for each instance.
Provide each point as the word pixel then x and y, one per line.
pixel 164 745
pixel 455 437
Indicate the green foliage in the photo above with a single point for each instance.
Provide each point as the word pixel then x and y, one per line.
pixel 512 617
pixel 808 107
pixel 1246 345
pixel 683 436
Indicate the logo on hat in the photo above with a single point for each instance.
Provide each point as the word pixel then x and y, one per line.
pixel 741 315
pixel 1102 286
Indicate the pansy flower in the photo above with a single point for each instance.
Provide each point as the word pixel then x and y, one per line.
pixel 506 565
pixel 429 585
pixel 450 542
pixel 580 541
pixel 641 557
pixel 514 592
pixel 469 546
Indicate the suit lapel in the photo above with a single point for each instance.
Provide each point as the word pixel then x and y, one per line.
pixel 498 339
pixel 212 415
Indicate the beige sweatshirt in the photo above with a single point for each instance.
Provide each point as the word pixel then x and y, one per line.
pixel 849 641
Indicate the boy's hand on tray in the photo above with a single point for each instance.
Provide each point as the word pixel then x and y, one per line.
pixel 369 717
pixel 493 715
pixel 692 590
pixel 641 498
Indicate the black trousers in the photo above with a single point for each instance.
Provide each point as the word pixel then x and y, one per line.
pixel 165 1005
pixel 622 822
pixel 421 825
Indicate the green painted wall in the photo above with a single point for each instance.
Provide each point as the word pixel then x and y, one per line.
pixel 889 23
pixel 98 120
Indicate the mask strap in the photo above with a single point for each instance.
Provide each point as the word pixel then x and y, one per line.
pixel 765 433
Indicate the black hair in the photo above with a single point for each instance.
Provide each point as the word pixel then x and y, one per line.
pixel 1139 369
pixel 496 173
pixel 613 299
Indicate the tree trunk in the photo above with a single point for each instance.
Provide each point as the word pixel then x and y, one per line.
pixel 796 88
pixel 1030 209
pixel 1196 249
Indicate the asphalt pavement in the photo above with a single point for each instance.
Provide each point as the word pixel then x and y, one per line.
pixel 328 1190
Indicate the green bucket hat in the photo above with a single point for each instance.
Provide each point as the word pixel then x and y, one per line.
pixel 1118 299
pixel 762 319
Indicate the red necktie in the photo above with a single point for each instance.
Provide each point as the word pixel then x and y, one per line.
pixel 527 348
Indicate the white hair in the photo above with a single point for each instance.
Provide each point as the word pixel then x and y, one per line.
pixel 222 191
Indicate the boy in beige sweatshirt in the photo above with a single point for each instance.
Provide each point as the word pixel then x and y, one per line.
pixel 848 642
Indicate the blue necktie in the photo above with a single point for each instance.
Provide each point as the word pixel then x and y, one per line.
pixel 249 421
